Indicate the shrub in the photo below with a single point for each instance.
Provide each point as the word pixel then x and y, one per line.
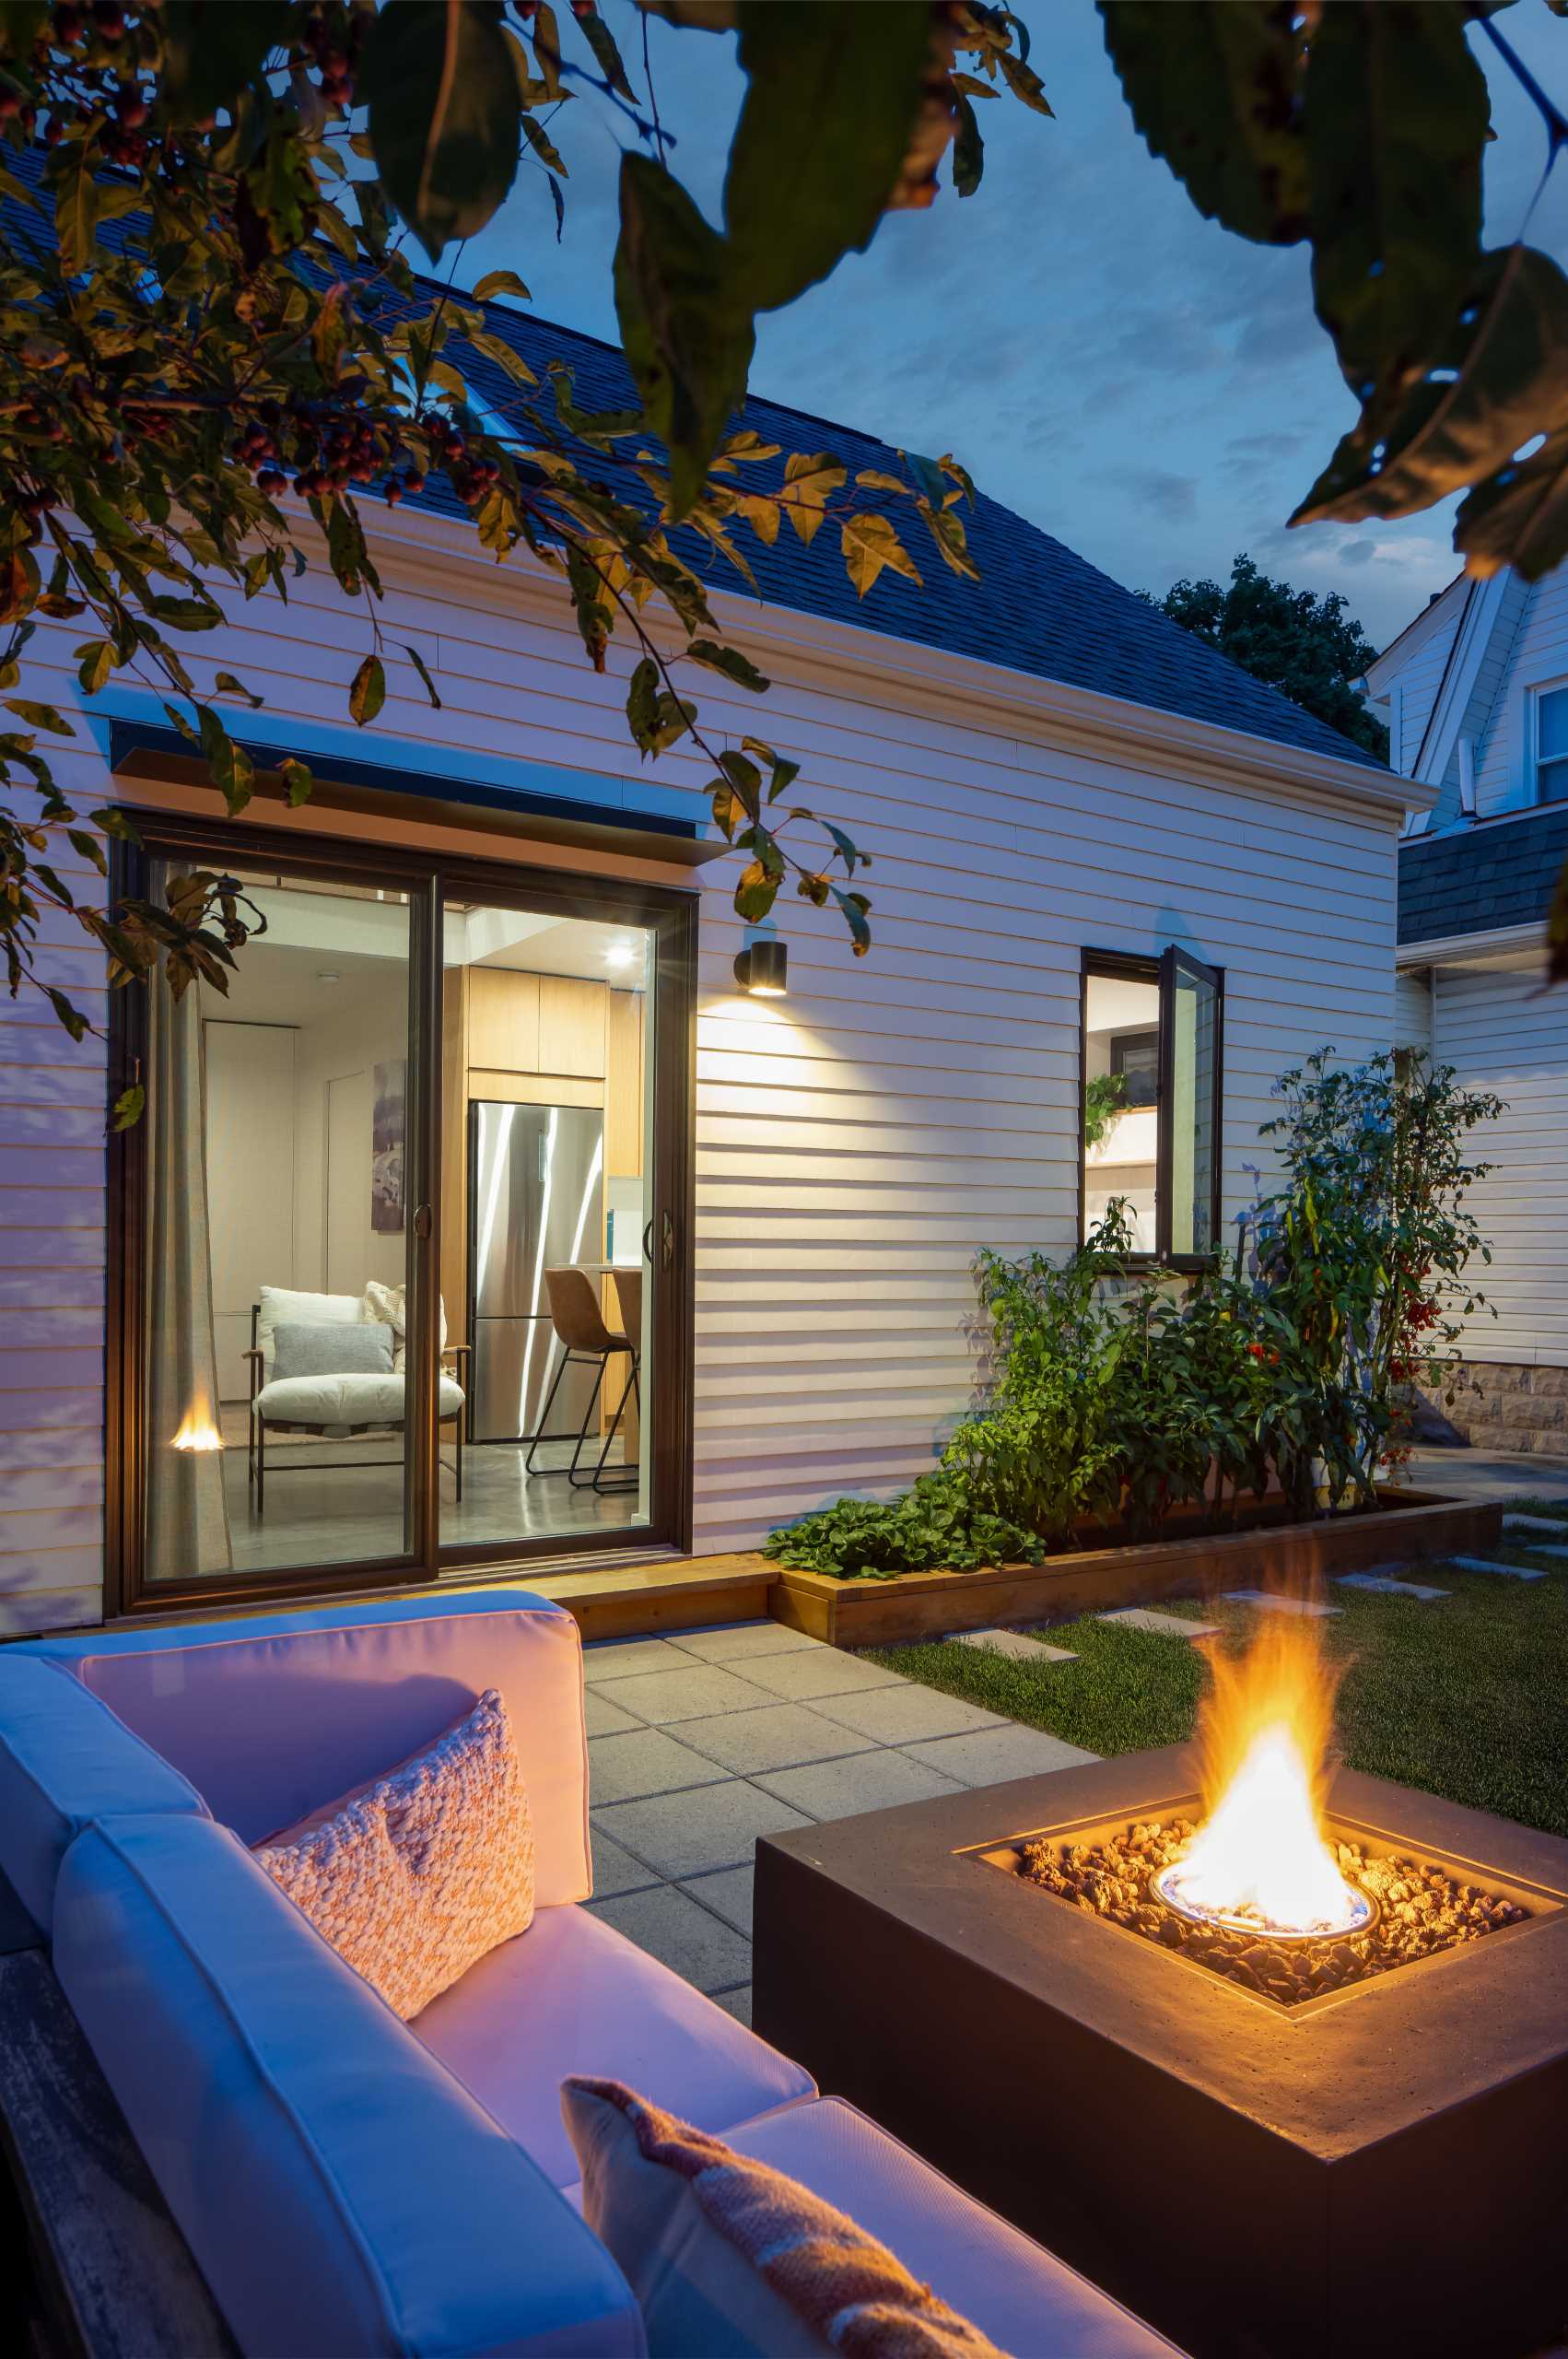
pixel 936 1525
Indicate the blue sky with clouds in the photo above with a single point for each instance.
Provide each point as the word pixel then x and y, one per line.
pixel 1151 390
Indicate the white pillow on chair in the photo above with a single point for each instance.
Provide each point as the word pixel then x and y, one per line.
pixel 389 1306
pixel 285 1307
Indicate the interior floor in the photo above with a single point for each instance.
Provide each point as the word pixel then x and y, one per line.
pixel 325 1505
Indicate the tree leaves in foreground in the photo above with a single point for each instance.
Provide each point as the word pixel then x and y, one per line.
pixel 214 346
pixel 1307 647
pixel 1360 128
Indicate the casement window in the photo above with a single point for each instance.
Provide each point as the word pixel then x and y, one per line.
pixel 1152 1077
pixel 1551 745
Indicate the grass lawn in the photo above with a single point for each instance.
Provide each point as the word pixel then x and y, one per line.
pixel 1465 1696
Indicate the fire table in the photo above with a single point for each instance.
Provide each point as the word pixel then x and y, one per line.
pixel 1378 2167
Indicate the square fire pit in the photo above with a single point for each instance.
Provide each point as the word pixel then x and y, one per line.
pixel 1377 2169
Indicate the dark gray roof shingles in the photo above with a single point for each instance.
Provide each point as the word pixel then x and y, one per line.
pixel 1487 875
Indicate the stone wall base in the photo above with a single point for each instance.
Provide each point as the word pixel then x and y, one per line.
pixel 1500 1406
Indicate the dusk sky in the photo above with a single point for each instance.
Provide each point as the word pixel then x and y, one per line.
pixel 1150 389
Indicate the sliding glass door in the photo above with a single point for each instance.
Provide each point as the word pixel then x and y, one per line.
pixel 402 1285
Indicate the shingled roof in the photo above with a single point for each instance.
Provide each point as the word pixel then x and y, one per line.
pixel 1481 876
pixel 1039 608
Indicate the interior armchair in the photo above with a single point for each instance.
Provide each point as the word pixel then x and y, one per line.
pixel 333 1365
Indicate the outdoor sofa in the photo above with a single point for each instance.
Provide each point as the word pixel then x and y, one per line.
pixel 346 2182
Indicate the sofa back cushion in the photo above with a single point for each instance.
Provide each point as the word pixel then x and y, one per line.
pixel 270 1716
pixel 65 1759
pixel 342 2193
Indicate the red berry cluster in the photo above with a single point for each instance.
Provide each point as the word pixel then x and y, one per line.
pixel 328 448
pixel 330 41
pixel 471 476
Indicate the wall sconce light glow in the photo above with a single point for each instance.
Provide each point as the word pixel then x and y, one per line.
pixel 763 969
pixel 197 1432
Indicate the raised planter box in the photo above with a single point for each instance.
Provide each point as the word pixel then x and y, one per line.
pixel 1407 1525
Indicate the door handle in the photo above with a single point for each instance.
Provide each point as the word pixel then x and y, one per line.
pixel 422 1222
pixel 666 1240
pixel 648 1239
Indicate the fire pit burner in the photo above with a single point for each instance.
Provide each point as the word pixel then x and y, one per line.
pixel 1132 1877
pixel 1171 1886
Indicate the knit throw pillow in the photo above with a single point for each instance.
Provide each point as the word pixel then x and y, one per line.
pixel 420 1872
pixel 730 2259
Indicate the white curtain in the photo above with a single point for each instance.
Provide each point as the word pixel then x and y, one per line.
pixel 187 1526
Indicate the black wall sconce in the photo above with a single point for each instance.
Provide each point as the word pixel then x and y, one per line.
pixel 762 969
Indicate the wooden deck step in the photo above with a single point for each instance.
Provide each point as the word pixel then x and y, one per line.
pixel 668 1593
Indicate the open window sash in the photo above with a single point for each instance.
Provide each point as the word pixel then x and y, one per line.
pixel 1191 1073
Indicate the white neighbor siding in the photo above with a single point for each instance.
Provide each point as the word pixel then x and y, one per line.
pixel 857 1141
pixel 1413 1008
pixel 1502 1033
pixel 1533 652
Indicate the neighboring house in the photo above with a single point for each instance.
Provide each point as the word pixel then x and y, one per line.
pixel 497 979
pixel 1476 693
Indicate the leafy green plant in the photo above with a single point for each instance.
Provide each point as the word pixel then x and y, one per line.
pixel 937 1524
pixel 1105 1099
pixel 1362 1251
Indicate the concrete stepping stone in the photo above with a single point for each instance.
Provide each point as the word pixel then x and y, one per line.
pixel 1268 1601
pixel 1554 1523
pixel 1514 1572
pixel 1163 1626
pixel 1015 1645
pixel 1386 1585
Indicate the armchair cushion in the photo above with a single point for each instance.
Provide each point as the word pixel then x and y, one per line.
pixel 278 1306
pixel 344 1400
pixel 342 2195
pixel 326 1347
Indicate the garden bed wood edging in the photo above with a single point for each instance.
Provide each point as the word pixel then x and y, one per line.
pixel 1097 1580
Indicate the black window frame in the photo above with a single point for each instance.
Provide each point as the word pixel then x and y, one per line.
pixel 1161 970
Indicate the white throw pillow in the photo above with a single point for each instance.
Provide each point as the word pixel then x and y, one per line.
pixel 388 1306
pixel 285 1307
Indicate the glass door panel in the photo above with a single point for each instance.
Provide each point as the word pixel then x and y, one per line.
pixel 1193 1108
pixel 545 1203
pixel 277 1244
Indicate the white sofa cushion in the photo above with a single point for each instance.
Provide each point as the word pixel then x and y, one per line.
pixel 344 1400
pixel 572 1995
pixel 344 2198
pixel 1020 2296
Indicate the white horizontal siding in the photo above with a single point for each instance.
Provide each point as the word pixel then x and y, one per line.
pixel 52 1265
pixel 1534 651
pixel 1412 1009
pixel 1502 1033
pixel 857 1142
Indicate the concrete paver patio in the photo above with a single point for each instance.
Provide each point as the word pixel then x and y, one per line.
pixel 699 1744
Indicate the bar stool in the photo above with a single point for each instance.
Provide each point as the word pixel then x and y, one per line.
pixel 579 1322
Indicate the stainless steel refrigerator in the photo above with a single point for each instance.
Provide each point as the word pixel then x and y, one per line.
pixel 536 1203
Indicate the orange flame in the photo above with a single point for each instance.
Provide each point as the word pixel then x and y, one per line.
pixel 1264 1732
pixel 197 1431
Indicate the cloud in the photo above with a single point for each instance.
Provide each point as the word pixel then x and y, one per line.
pixel 1172 497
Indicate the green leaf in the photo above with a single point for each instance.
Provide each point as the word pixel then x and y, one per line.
pixel 834 91
pixel 968 148
pixel 444 107
pixel 188 614
pixel 947 531
pixel 809 477
pixel 1396 116
pixel 756 887
pixel 297 780
pixel 129 1108
pixel 229 686
pixel 87 848
pixel 688 346
pixel 601 41
pixel 1024 83
pixel 229 766
pixel 83 201
pixel 1496 379
pixel 368 690
pixel 499 282
pixel 854 908
pixel 430 685
pixel 97 661
pixel 39 716
pixel 543 144
pixel 870 542
pixel 1519 516
pixel 730 660
pixel 212 49
pixel 75 1022
pixel 1214 89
